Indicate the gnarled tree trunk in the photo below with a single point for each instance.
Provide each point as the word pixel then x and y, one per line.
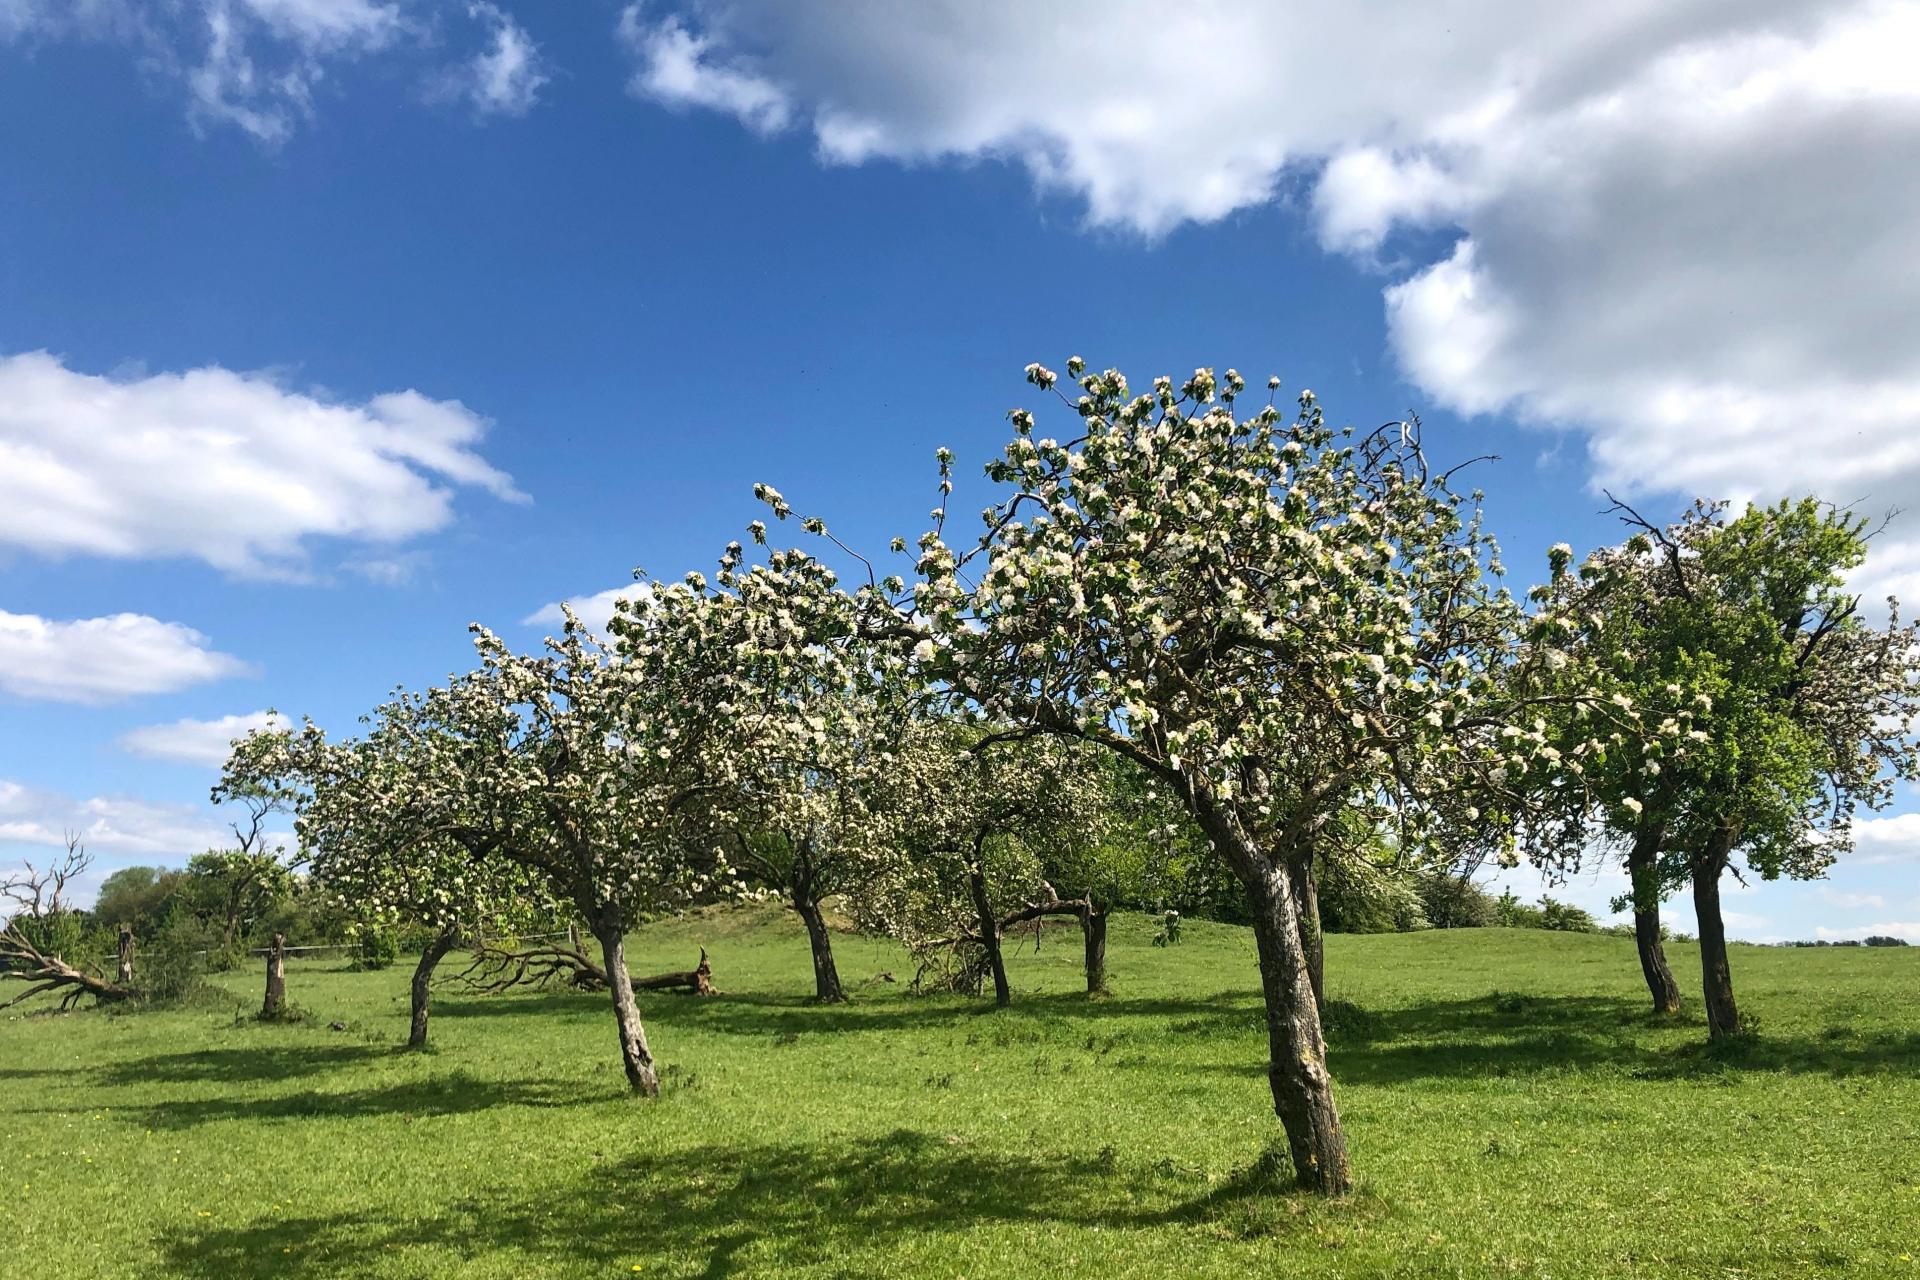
pixel 635 1056
pixel 437 948
pixel 989 934
pixel 275 1003
pixel 1306 899
pixel 1716 978
pixel 1642 868
pixel 1093 927
pixel 826 976
pixel 1296 1050
pixel 124 976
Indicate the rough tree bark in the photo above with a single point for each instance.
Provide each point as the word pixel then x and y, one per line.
pixel 989 934
pixel 1642 858
pixel 826 977
pixel 275 1003
pixel 1306 898
pixel 1093 928
pixel 635 1056
pixel 1296 1050
pixel 124 975
pixel 1716 978
pixel 437 948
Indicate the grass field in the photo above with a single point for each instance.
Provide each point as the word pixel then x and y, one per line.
pixel 1511 1111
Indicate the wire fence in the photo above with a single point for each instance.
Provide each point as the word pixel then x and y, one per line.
pixel 315 947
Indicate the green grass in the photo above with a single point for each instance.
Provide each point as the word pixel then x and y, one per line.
pixel 1511 1109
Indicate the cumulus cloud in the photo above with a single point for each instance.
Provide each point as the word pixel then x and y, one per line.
pixel 1683 227
pixel 105 824
pixel 100 660
pixel 231 468
pixel 1893 838
pixel 201 742
pixel 594 611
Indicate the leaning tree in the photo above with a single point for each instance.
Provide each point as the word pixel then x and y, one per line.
pixel 578 770
pixel 372 836
pixel 1280 623
pixel 1799 710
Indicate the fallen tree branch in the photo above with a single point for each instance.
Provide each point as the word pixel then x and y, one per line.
pixel 22 961
pixel 38 895
pixel 697 980
pixel 494 969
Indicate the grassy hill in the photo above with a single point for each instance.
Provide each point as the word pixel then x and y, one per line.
pixel 1512 1111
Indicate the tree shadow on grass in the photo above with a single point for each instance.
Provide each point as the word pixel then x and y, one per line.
pixel 251 1065
pixel 755 1014
pixel 727 1209
pixel 454 1094
pixel 1508 1034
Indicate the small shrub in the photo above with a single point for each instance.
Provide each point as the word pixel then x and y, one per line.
pixel 1565 917
pixel 1169 932
pixel 1455 902
pixel 375 949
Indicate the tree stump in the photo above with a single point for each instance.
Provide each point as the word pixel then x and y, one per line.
pixel 275 1004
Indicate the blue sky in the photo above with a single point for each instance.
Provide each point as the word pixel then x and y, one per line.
pixel 628 260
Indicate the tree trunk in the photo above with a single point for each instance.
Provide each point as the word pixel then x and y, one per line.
pixel 1296 1050
pixel 437 949
pixel 1093 927
pixel 635 1057
pixel 1306 898
pixel 276 1002
pixel 1723 1016
pixel 826 977
pixel 125 974
pixel 990 935
pixel 1642 867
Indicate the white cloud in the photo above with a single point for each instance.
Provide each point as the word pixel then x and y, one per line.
pixel 98 660
pixel 1855 901
pixel 1907 929
pixel 259 65
pixel 594 611
pixel 505 77
pixel 1685 227
pixel 673 68
pixel 105 824
pixel 1889 839
pixel 201 742
pixel 231 468
pixel 264 58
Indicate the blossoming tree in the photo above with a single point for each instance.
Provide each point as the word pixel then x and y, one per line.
pixel 1280 622
pixel 373 833
pixel 820 713
pixel 980 816
pixel 1797 711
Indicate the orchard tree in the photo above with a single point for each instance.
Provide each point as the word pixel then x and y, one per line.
pixel 980 816
pixel 1798 710
pixel 579 771
pixel 1280 623
pixel 238 884
pixel 375 842
pixel 815 810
